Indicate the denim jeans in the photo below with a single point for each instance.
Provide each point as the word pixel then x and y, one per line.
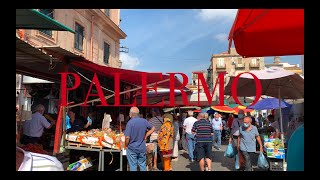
pixel 191 145
pixel 217 138
pixel 247 157
pixel 135 159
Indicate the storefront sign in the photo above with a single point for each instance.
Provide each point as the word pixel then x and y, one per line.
pixel 145 87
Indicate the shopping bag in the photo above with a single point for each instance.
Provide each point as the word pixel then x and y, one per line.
pixel 229 151
pixel 236 165
pixel 240 160
pixel 262 162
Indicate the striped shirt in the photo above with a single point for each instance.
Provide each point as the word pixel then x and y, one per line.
pixel 39 162
pixel 157 123
pixel 203 130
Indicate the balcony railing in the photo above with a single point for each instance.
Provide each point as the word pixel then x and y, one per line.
pixel 221 66
pixel 240 65
pixel 254 65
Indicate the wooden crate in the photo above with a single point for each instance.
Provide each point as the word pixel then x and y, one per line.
pixel 74 144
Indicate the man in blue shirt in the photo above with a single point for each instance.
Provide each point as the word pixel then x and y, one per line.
pixel 136 135
pixel 247 141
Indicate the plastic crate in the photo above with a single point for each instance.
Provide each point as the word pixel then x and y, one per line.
pixel 275 165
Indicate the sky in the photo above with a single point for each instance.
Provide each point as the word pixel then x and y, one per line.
pixel 168 40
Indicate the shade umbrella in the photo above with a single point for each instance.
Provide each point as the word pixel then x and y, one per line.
pixel 246 110
pixel 269 103
pixel 268 32
pixel 275 82
pixel 225 109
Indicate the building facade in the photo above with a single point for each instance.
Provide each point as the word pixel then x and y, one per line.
pixel 195 82
pixel 97 34
pixel 295 68
pixel 232 63
pixel 96 38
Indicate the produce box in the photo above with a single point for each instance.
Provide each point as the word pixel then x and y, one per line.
pixel 274 148
pixel 275 153
pixel 80 165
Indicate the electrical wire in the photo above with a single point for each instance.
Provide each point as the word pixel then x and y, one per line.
pixel 91 81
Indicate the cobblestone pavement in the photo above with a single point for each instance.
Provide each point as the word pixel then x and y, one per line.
pixel 219 162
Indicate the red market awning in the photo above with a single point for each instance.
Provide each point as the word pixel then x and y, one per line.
pixel 268 32
pixel 129 76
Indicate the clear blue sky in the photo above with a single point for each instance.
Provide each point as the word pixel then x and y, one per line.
pixel 177 40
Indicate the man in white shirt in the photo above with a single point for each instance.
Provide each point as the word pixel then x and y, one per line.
pixel 29 161
pixel 33 129
pixel 217 128
pixel 187 126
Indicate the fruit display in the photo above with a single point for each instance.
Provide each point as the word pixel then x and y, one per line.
pixel 97 137
pixel 274 143
pixel 274 148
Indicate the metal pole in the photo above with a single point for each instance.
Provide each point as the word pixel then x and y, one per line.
pixel 281 128
pixel 121 161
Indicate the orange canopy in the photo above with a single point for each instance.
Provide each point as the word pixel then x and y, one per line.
pixel 225 109
pixel 237 108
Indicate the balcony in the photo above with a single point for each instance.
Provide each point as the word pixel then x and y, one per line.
pixel 240 65
pixel 221 66
pixel 254 65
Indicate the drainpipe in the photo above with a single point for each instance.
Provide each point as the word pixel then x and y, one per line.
pixel 91 39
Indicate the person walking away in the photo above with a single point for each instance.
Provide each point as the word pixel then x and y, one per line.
pixel 176 137
pixel 187 125
pixel 135 140
pixel 217 128
pixel 165 141
pixel 224 127
pixel 181 131
pixel 247 141
pixel 237 122
pixel 203 134
pixel 252 119
pixel 259 121
pixel 33 129
pixel 230 121
pixel 157 122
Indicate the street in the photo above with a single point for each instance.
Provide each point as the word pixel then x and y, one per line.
pixel 219 162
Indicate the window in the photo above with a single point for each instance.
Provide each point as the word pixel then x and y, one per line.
pixel 107 12
pixel 220 62
pixel 195 76
pixel 239 60
pixel 254 61
pixel 49 13
pixel 78 37
pixel 106 53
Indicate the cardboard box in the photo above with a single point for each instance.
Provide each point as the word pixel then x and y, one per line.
pixel 273 152
pixel 276 153
pixel 80 165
